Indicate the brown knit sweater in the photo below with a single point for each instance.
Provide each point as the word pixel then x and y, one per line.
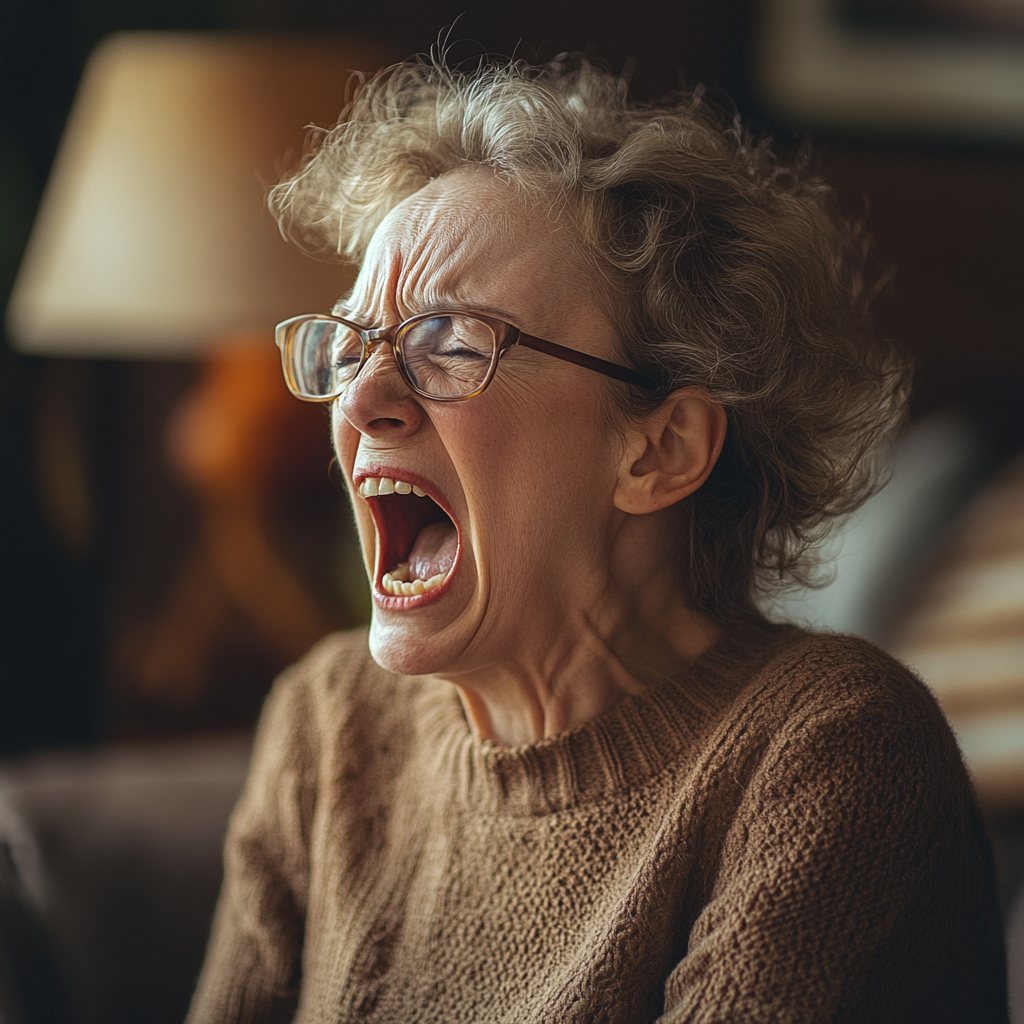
pixel 784 832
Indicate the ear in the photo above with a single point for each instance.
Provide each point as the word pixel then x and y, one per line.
pixel 670 452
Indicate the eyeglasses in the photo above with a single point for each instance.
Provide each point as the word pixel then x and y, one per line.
pixel 447 357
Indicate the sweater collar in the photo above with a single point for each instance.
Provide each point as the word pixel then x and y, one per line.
pixel 613 753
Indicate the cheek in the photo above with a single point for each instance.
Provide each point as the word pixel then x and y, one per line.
pixel 524 460
pixel 566 436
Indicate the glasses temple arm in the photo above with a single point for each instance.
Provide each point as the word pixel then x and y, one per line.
pixel 570 355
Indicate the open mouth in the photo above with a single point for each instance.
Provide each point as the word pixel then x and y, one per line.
pixel 418 539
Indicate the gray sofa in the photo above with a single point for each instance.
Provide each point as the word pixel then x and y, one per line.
pixel 109 868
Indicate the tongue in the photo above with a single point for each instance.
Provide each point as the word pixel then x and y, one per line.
pixel 433 551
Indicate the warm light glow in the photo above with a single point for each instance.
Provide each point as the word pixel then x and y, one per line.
pixel 153 238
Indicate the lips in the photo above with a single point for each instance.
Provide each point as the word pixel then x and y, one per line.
pixel 418 538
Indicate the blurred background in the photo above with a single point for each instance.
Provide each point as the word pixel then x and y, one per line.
pixel 170 531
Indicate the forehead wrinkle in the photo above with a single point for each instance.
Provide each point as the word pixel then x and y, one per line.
pixel 378 287
pixel 440 242
pixel 428 266
pixel 367 300
pixel 457 242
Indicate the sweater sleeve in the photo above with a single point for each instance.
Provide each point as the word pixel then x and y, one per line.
pixel 253 961
pixel 855 881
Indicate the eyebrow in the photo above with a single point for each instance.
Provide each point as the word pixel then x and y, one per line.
pixel 496 311
pixel 343 309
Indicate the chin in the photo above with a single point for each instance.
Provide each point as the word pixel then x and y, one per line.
pixel 410 648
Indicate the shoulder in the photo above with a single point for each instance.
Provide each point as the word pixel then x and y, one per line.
pixel 338 694
pixel 335 664
pixel 814 675
pixel 836 702
pixel 850 861
pixel 835 753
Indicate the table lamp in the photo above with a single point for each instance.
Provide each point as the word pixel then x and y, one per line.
pixel 153 240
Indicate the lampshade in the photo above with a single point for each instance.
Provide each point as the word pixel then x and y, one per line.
pixel 153 239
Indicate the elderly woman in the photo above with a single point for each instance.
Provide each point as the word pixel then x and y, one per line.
pixel 604 376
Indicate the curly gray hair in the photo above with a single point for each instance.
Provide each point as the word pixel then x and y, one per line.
pixel 739 274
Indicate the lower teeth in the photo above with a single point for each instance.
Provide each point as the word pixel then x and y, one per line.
pixel 398 584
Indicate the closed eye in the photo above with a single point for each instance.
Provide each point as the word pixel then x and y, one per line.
pixel 457 351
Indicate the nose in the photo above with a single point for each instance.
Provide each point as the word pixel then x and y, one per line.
pixel 378 403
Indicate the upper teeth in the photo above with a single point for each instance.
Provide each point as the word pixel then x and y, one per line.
pixel 373 485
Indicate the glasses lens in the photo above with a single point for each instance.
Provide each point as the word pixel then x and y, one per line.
pixel 448 356
pixel 322 358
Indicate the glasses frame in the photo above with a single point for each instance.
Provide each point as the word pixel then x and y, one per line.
pixel 506 336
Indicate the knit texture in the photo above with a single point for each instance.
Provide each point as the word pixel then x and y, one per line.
pixel 784 832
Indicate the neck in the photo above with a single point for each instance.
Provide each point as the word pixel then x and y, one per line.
pixel 638 630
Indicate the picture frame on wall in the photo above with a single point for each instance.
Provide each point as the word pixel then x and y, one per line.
pixel 942 68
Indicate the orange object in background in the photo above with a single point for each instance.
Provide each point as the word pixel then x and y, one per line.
pixel 153 245
pixel 249 454
pixel 238 435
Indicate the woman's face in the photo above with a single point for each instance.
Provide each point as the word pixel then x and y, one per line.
pixel 525 473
